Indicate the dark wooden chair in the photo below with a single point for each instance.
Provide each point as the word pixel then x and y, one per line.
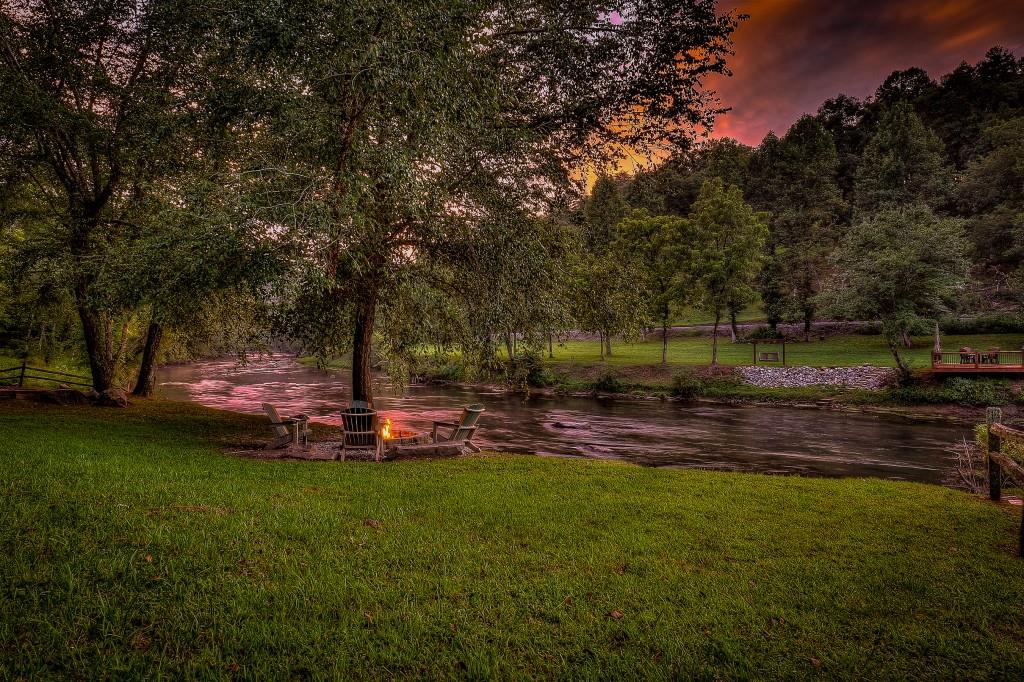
pixel 360 432
pixel 283 436
pixel 966 356
pixel 992 356
pixel 461 432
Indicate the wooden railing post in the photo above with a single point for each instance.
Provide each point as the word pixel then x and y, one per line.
pixel 993 415
pixel 21 379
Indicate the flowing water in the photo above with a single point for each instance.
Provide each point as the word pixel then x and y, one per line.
pixel 766 439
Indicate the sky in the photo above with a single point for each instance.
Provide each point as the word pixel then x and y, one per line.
pixel 791 55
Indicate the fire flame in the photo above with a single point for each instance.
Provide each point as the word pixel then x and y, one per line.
pixel 385 429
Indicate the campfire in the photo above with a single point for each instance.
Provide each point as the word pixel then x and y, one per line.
pixel 385 429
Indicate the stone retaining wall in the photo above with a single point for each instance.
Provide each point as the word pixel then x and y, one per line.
pixel 864 376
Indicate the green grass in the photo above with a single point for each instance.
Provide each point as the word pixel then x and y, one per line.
pixel 131 547
pixel 752 313
pixel 837 351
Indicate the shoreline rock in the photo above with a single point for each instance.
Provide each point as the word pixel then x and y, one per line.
pixel 866 377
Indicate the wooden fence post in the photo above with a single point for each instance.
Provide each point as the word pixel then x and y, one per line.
pixel 21 379
pixel 993 415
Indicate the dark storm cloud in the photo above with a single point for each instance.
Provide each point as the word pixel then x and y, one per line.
pixel 793 54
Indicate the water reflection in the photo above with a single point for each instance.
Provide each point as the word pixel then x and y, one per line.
pixel 774 440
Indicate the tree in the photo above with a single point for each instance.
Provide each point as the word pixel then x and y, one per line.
pixel 98 101
pixel 602 211
pixel 908 85
pixel 403 127
pixel 851 123
pixel 656 244
pixel 796 182
pixel 992 193
pixel 609 297
pixel 724 254
pixel 903 163
pixel 903 265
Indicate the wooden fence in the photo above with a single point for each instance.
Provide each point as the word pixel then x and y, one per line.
pixel 17 375
pixel 1000 464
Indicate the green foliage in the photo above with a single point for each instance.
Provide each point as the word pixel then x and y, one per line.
pixel 902 266
pixel 795 180
pixel 609 295
pixel 724 254
pixel 996 323
pixel 658 246
pixel 992 192
pixel 687 385
pixel 609 382
pixel 957 391
pixel 602 211
pixel 902 164
pixel 527 369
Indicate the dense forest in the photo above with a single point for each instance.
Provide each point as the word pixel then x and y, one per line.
pixel 174 188
pixel 863 199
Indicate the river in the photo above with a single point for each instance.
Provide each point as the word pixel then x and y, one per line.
pixel 783 440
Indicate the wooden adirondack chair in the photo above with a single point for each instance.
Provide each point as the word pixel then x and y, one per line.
pixel 283 437
pixel 461 432
pixel 360 432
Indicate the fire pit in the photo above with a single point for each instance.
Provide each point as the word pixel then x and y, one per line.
pixel 394 436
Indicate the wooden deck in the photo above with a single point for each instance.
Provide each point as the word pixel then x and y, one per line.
pixel 978 362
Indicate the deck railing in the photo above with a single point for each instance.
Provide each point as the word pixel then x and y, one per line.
pixel 979 358
pixel 18 374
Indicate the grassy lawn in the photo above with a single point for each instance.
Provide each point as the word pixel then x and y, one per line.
pixel 132 547
pixel 752 313
pixel 836 351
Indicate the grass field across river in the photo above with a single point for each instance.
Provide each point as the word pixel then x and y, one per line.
pixel 836 351
pixel 132 546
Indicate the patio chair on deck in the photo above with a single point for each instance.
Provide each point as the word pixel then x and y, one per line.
pixel 992 356
pixel 461 432
pixel 360 432
pixel 283 437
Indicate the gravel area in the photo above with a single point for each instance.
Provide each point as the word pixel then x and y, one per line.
pixel 864 376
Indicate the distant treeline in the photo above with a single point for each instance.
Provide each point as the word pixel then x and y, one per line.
pixel 955 146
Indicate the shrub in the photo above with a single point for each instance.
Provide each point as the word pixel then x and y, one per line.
pixel 527 369
pixel 977 391
pixel 765 332
pixel 688 386
pixel 957 390
pixel 609 383
pixel 999 323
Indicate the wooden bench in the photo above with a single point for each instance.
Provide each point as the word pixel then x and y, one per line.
pixel 768 357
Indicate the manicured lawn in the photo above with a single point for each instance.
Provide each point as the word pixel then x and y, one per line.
pixel 836 351
pixel 131 547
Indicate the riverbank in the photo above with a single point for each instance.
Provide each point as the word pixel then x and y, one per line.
pixel 143 546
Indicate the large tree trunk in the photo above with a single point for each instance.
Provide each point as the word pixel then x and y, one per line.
pixel 146 382
pixel 362 343
pixel 907 341
pixel 733 331
pixel 808 321
pixel 600 343
pixel 608 344
pixel 714 339
pixel 551 347
pixel 510 348
pixel 98 347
